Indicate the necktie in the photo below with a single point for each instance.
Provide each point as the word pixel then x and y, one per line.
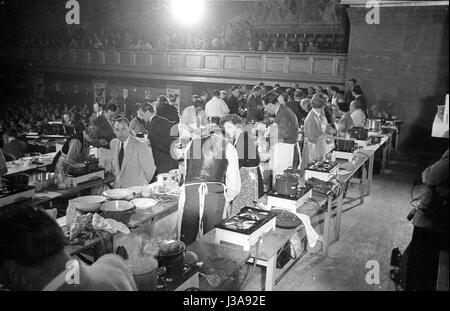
pixel 121 152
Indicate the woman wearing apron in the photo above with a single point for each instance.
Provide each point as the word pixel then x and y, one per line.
pixel 252 186
pixel 211 182
pixel 318 140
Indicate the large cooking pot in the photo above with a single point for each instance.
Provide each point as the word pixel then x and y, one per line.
pixel 171 256
pixel 373 124
pixel 286 184
pixel 17 182
pixel 294 172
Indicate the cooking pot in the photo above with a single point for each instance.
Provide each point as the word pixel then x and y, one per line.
pixel 294 172
pixel 17 182
pixel 286 184
pixel 171 256
pixel 373 124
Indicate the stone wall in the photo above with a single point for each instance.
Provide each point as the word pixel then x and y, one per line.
pixel 402 61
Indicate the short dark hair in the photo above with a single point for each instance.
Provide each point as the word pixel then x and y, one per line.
pixel 28 235
pixel 162 99
pixel 235 87
pixel 343 106
pixel 233 118
pixel 215 93
pixel 199 103
pixel 334 88
pixel 357 90
pixel 271 98
pixel 356 103
pixel 122 120
pixel 256 89
pixel 353 80
pixel 261 84
pixel 112 107
pixel 298 93
pixel 276 85
pixel 11 132
pixel 148 107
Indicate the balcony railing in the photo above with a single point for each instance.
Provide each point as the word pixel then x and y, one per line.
pixel 189 65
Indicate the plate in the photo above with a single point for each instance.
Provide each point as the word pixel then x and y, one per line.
pixel 118 194
pixel 143 203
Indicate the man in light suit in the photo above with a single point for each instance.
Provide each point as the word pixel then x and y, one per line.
pixel 132 159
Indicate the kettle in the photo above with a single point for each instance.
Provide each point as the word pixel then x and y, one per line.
pixel 286 184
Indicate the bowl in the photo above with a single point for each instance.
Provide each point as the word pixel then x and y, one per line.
pixel 117 206
pixel 118 194
pixel 89 203
pixel 119 210
pixel 143 203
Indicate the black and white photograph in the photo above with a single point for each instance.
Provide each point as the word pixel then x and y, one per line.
pixel 235 148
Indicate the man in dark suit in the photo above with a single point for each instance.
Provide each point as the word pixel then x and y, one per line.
pixel 348 92
pixel 255 110
pixel 98 111
pixel 159 135
pixel 166 110
pixel 103 134
pixel 13 146
pixel 233 101
pixel 294 105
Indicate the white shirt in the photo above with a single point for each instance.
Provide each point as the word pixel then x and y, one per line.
pixel 216 107
pixel 358 117
pixel 321 119
pixel 125 144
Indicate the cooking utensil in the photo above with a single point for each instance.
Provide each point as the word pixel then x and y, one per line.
pixel 90 203
pixel 117 206
pixel 213 280
pixel 373 124
pixel 171 256
pixel 286 184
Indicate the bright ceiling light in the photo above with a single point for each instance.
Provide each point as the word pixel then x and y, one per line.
pixel 187 12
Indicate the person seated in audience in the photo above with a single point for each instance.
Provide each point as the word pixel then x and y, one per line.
pixel 35 259
pixel 251 178
pixel 67 118
pixel 216 108
pixel 311 48
pixel 274 47
pixel 287 47
pixel 75 149
pixel 132 159
pixel 167 110
pixel 345 122
pixel 193 120
pixel 137 124
pixel 357 115
pixel 261 46
pixel 12 145
pixel 300 47
pixel 160 136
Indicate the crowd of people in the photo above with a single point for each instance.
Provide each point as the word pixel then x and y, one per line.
pixel 234 36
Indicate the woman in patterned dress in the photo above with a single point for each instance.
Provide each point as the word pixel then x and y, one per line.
pixel 251 177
